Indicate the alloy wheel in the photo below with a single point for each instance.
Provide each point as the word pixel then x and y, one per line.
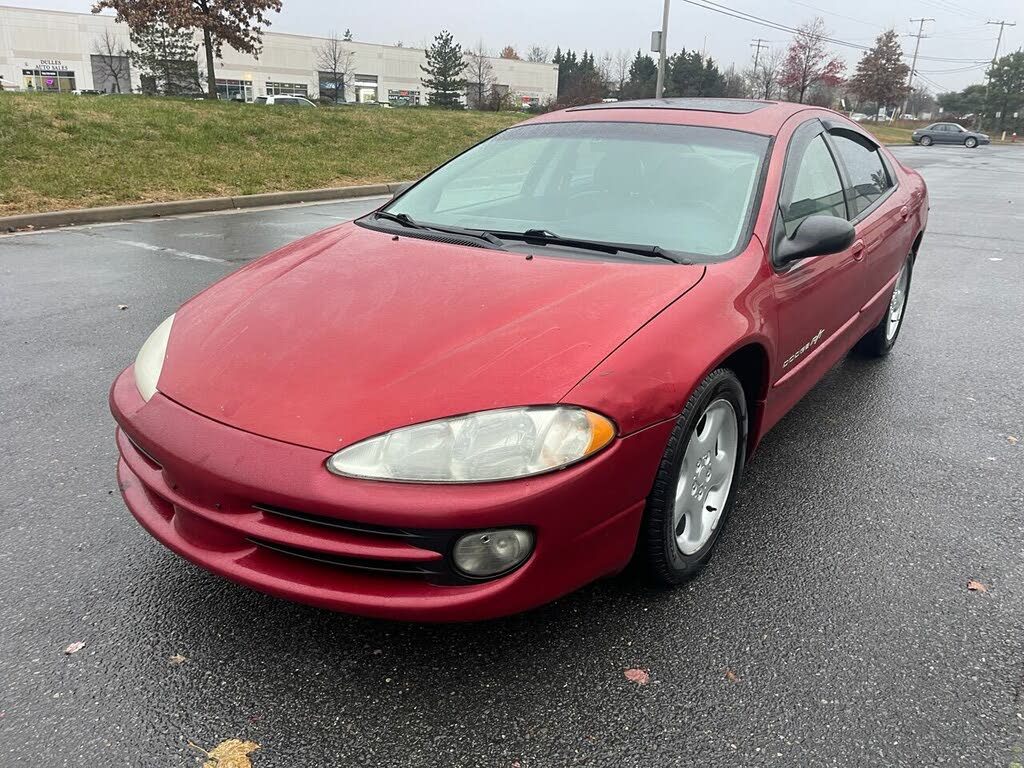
pixel 897 302
pixel 705 476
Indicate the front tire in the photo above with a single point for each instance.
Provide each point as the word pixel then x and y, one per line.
pixel 970 142
pixel 881 339
pixel 697 479
pixel 926 141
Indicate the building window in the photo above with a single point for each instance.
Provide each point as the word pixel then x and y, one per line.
pixel 234 90
pixel 287 89
pixel 49 80
pixel 403 98
pixel 366 89
pixel 111 73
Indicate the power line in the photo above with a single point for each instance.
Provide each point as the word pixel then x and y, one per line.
pixel 951 7
pixel 709 5
pixel 837 15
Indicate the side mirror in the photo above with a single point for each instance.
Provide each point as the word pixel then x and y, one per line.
pixel 398 189
pixel 817 235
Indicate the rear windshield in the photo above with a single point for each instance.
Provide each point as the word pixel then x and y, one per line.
pixel 685 188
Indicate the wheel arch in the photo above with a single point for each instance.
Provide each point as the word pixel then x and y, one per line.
pixel 917 244
pixel 752 365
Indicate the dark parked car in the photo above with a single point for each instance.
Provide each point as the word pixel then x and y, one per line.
pixel 948 133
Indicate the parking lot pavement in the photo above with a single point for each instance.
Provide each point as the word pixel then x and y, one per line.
pixel 833 628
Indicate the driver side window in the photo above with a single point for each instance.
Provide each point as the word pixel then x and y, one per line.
pixel 817 188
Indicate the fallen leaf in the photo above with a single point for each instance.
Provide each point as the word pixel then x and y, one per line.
pixel 1013 439
pixel 122 307
pixel 976 586
pixel 233 753
pixel 74 648
pixel 638 676
pixel 177 659
pixel 731 676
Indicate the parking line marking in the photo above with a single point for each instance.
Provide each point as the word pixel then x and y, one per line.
pixel 172 251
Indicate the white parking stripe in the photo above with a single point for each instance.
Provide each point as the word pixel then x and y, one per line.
pixel 172 251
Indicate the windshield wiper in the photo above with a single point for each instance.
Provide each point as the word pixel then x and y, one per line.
pixel 408 221
pixel 546 237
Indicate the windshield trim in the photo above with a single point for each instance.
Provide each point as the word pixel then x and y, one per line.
pixel 742 243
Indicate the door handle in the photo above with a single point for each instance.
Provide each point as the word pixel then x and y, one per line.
pixel 904 212
pixel 858 250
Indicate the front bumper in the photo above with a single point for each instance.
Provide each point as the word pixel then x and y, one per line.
pixel 268 515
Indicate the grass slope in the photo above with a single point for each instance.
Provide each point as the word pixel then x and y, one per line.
pixel 60 152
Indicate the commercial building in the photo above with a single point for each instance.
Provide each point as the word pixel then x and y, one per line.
pixel 55 51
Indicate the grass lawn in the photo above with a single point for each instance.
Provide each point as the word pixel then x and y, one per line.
pixel 60 152
pixel 888 134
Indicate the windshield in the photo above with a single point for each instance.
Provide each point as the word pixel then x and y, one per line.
pixel 684 188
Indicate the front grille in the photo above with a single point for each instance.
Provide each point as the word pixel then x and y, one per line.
pixel 438 568
pixel 436 540
pixel 395 545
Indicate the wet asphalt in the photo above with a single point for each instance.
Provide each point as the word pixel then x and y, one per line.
pixel 834 627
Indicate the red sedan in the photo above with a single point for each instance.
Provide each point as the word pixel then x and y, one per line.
pixel 551 355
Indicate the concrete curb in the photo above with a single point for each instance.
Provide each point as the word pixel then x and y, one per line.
pixel 111 213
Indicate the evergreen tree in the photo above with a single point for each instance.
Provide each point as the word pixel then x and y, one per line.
pixel 166 59
pixel 881 76
pixel 444 69
pixel 643 78
pixel 1006 92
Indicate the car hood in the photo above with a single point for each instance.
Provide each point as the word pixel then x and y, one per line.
pixel 352 332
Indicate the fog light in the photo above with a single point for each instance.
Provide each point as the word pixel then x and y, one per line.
pixel 489 553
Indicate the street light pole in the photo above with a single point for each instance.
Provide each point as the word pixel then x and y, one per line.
pixel 660 88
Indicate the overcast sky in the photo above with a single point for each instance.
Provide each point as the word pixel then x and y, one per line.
pixel 958 32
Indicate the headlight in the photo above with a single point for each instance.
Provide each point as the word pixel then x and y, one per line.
pixel 150 359
pixel 479 447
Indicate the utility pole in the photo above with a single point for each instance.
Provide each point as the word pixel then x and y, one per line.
pixel 757 44
pixel 913 65
pixel 999 40
pixel 660 88
pixel 988 75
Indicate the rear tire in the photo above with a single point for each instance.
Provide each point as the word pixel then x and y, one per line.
pixel 696 483
pixel 970 142
pixel 926 141
pixel 881 339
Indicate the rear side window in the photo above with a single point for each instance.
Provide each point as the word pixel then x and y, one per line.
pixel 868 178
pixel 816 189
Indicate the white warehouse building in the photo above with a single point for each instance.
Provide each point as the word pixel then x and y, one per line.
pixel 56 51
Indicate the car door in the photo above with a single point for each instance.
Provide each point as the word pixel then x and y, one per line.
pixel 817 299
pixel 947 134
pixel 876 209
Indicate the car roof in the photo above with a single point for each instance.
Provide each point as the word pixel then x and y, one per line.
pixel 755 116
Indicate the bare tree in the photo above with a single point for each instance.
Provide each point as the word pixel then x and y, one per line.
pixel 764 81
pixel 111 60
pixel 480 77
pixel 622 64
pixel 334 62
pixel 538 54
pixel 606 71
